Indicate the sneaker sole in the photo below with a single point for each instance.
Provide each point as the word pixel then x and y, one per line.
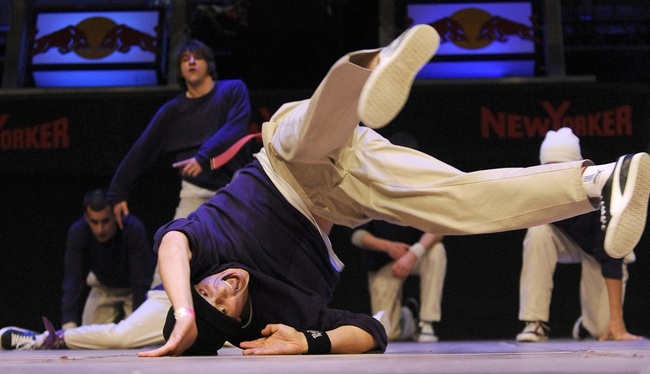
pixel 530 338
pixel 386 90
pixel 627 223
pixel 426 338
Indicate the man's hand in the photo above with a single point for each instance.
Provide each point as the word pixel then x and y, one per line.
pixel 617 331
pixel 278 340
pixel 120 210
pixel 181 338
pixel 616 327
pixel 188 167
pixel 396 249
pixel 404 265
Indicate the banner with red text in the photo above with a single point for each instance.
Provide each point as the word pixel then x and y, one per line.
pixel 471 126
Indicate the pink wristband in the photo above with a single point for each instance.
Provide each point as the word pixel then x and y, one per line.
pixel 182 312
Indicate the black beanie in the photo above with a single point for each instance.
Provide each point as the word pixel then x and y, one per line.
pixel 214 328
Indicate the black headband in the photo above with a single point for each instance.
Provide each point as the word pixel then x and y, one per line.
pixel 214 327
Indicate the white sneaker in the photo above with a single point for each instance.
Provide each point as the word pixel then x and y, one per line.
pixel 579 331
pixel 624 204
pixel 388 86
pixel 534 332
pixel 407 324
pixel 425 333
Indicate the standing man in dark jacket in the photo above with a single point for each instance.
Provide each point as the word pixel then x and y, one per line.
pixel 202 122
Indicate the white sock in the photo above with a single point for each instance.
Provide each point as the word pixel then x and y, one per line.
pixel 594 178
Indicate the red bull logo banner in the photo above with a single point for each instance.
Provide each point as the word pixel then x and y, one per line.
pixel 96 48
pixel 479 40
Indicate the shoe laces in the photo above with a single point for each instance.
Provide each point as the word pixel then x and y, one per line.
pixel 22 341
pixel 538 328
pixel 426 329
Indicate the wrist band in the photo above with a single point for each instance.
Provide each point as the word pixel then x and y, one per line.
pixel 182 312
pixel 318 342
pixel 418 249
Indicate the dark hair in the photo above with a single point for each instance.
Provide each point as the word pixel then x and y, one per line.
pixel 95 200
pixel 199 49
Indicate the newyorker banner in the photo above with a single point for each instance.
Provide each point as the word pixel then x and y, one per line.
pixel 477 126
pixel 55 133
pixel 471 126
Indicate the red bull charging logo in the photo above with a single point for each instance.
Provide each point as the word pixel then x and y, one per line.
pixel 478 28
pixel 95 36
pixel 473 28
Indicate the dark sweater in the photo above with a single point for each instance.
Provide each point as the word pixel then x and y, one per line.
pixel 585 231
pixel 249 222
pixel 201 127
pixel 125 261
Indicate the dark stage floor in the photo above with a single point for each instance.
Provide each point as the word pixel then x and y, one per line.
pixel 554 356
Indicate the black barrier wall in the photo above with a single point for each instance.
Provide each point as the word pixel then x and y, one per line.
pixel 55 145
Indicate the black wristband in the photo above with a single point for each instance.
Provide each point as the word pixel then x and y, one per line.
pixel 318 342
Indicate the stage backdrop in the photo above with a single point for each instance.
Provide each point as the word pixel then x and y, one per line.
pixel 55 145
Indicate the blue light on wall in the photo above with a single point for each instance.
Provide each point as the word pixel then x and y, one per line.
pixel 95 78
pixel 476 69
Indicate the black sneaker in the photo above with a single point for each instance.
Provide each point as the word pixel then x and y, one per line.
pixel 534 332
pixel 16 338
pixel 624 204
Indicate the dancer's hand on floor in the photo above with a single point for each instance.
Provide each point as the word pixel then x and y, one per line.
pixel 277 339
pixel 181 338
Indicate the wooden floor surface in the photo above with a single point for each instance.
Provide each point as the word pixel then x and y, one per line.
pixel 554 356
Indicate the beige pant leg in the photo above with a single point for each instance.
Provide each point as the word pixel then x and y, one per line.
pixel 142 328
pixel 408 187
pixel 432 269
pixel 104 304
pixel 386 294
pixel 190 198
pixel 594 298
pixel 374 179
pixel 351 175
pixel 314 131
pixel 544 246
